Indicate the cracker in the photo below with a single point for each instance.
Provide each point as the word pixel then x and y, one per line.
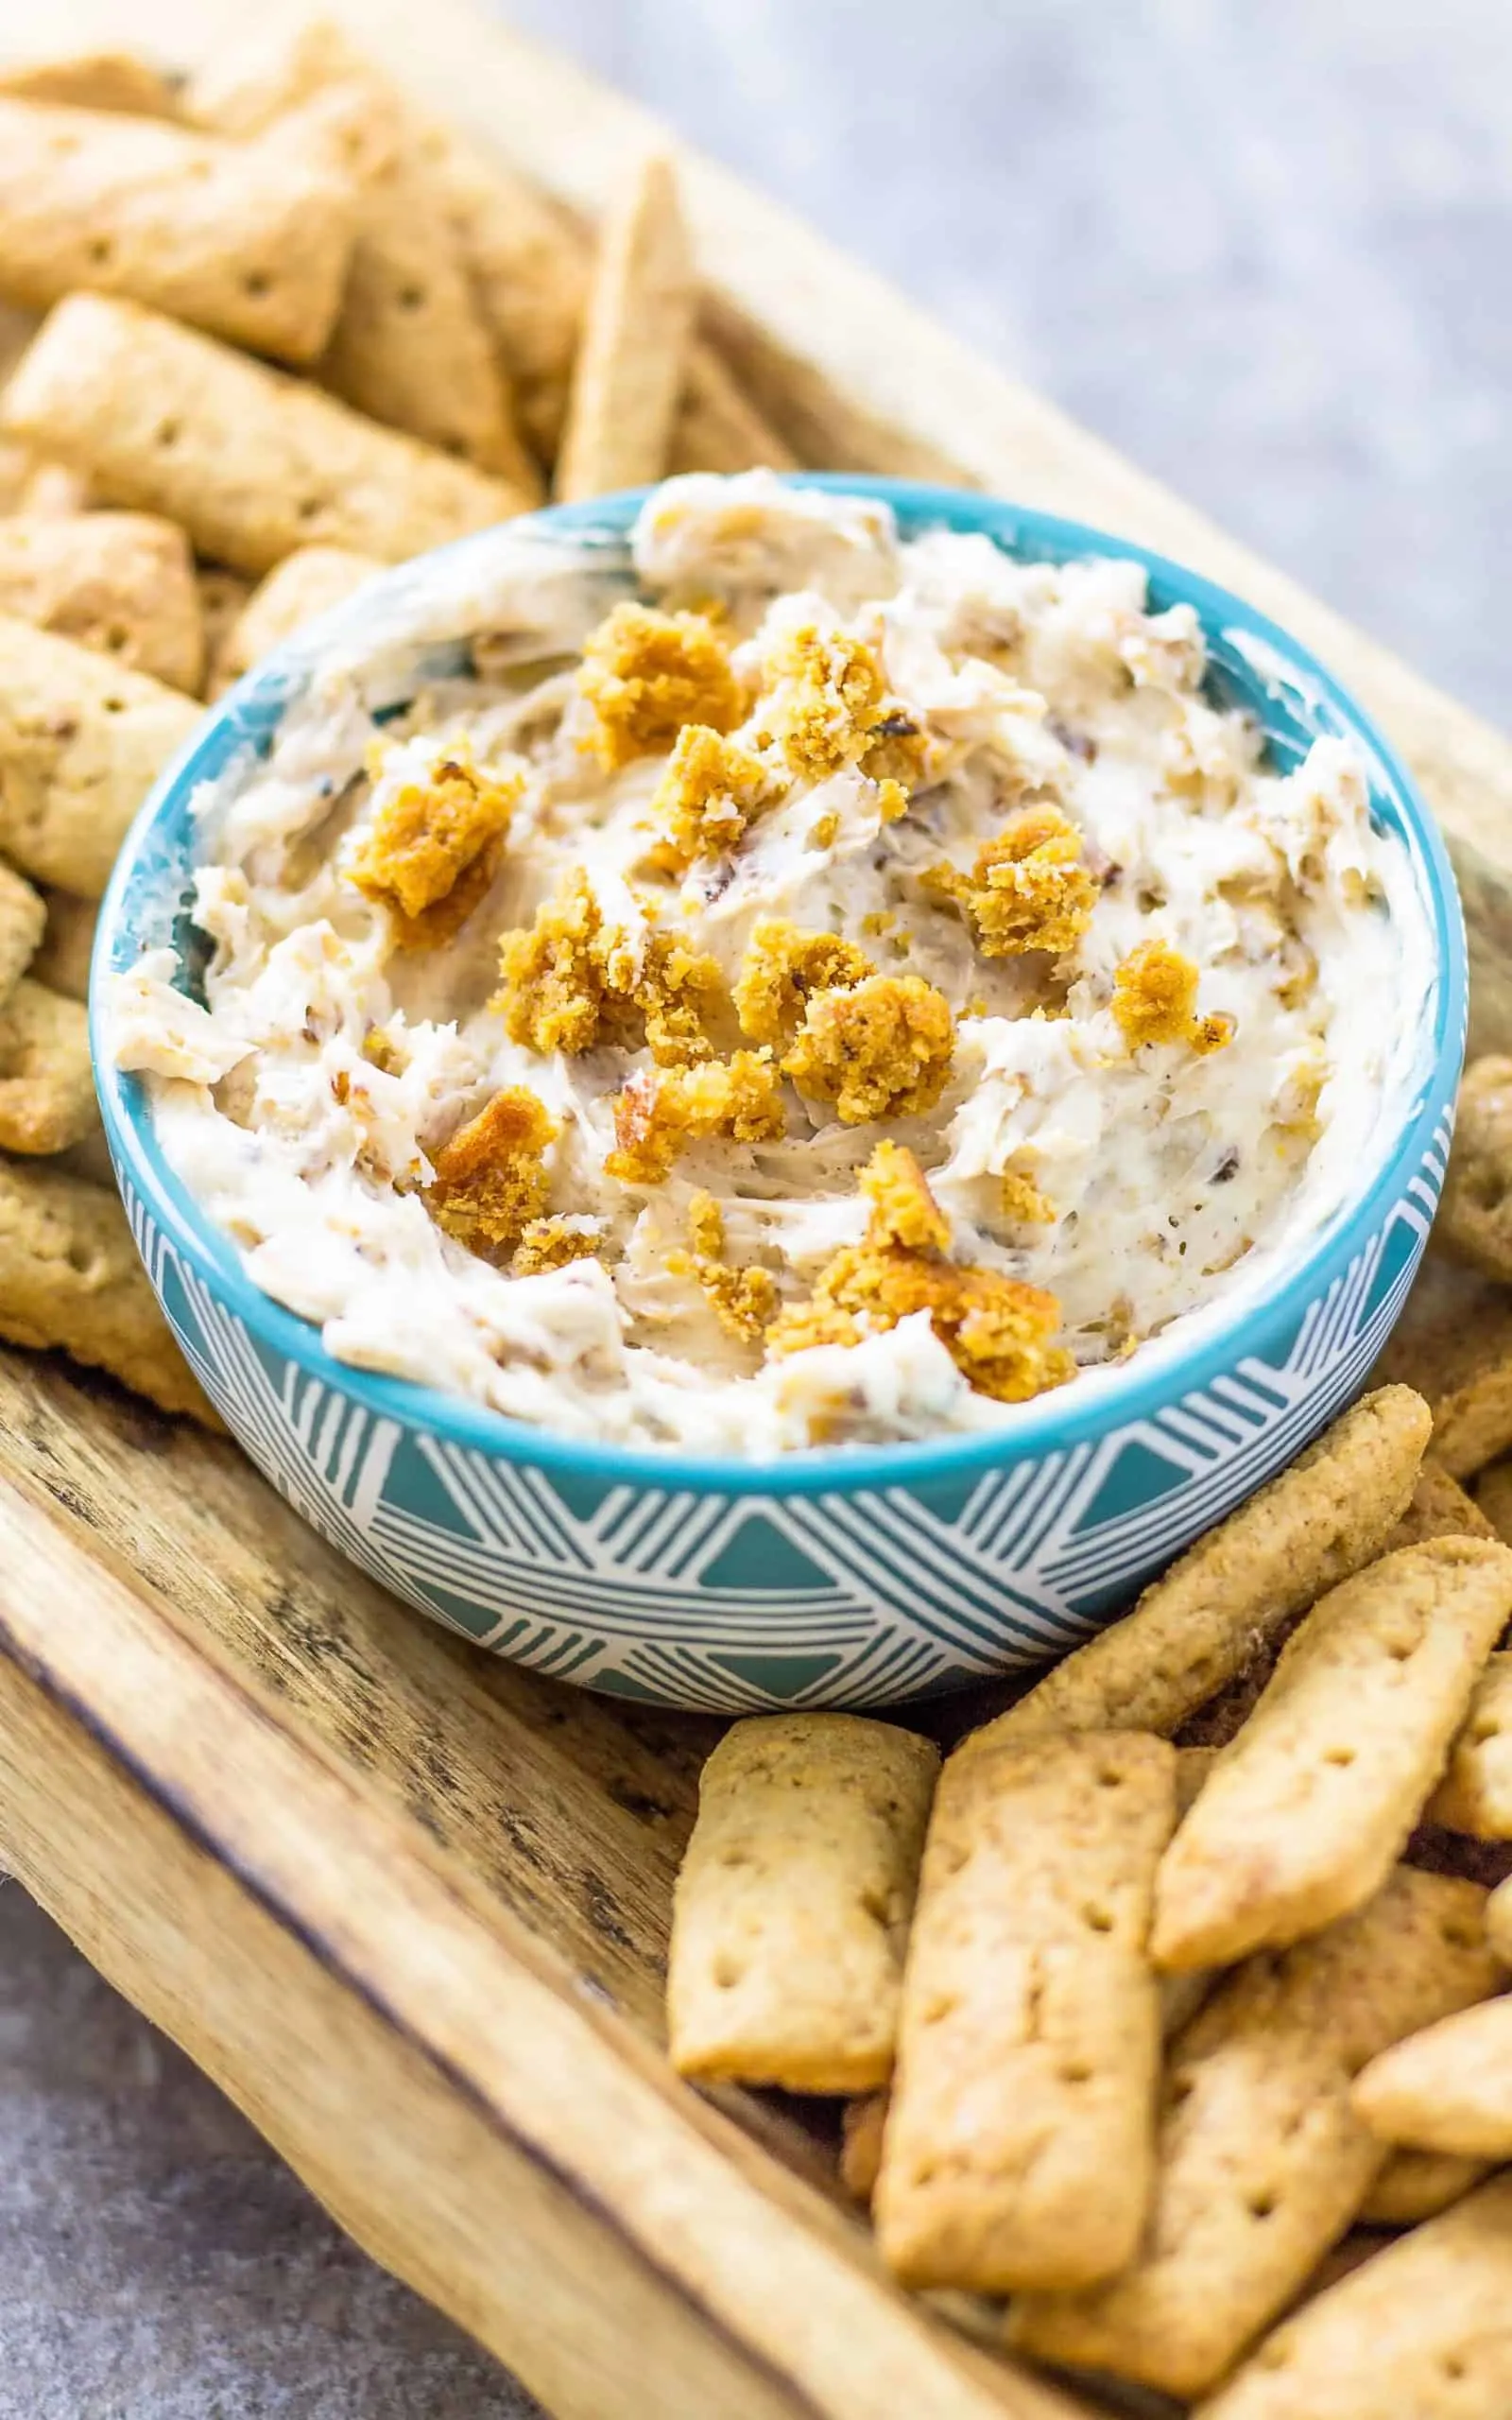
pixel 70 1277
pixel 632 356
pixel 251 464
pixel 1307 1810
pixel 1447 2089
pixel 1415 2186
pixel 1205 1620
pixel 81 741
pixel 1439 1509
pixel 54 490
pixel 718 427
pixel 1454 1343
pixel 305 584
pixel 1475 1214
pixel 1020 2144
pixel 96 80
pixel 223 597
pixel 1422 2332
pixel 1475 1794
pixel 23 920
pixel 249 243
pixel 62 961
pixel 1493 1499
pixel 122 583
pixel 1262 2162
pixel 792 1907
pixel 1499 1923
pixel 46 1081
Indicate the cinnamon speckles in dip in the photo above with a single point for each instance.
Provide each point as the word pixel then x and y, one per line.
pixel 774 983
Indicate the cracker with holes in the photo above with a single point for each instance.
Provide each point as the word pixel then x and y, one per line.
pixel 1475 1794
pixel 1422 2332
pixel 793 1904
pixel 250 463
pixel 1019 2143
pixel 1447 2089
pixel 235 237
pixel 1440 1507
pixel 70 1277
pixel 81 742
pixel 1262 2162
pixel 1205 1620
pixel 637 326
pixel 304 585
pixel 122 583
pixel 1454 1343
pixel 47 1081
pixel 1475 1215
pixel 1308 1809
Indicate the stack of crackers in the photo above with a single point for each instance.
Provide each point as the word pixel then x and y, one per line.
pixel 294 330
pixel 1182 1966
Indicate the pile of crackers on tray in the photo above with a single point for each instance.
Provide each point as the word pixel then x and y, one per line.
pixel 295 329
pixel 1184 1965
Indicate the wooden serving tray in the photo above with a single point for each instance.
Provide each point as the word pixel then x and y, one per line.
pixel 409 1905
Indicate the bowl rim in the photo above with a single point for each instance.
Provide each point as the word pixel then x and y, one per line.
pixel 1056 1423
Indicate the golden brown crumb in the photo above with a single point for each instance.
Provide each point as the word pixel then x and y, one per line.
pixel 903 1210
pixel 710 790
pixel 1155 1000
pixel 824 704
pixel 1028 889
pixel 382 1051
pixel 433 850
pixel 744 1300
pixel 998 1332
pixel 783 968
pixel 1022 1200
pixel 551 1243
pixel 882 1049
pixel 658 1111
pixel 646 673
pixel 490 1179
pixel 571 983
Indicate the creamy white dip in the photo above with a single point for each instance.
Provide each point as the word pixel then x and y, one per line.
pixel 1153 1184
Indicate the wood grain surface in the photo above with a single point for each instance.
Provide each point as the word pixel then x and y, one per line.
pixel 408 1905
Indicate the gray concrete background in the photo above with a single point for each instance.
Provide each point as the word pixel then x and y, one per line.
pixel 1265 250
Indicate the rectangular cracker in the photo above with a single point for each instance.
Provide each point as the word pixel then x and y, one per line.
pixel 1475 1794
pixel 1493 1498
pixel 122 583
pixel 793 1904
pixel 96 80
pixel 70 1277
pixel 862 2125
pixel 1454 1343
pixel 1415 2186
pixel 81 741
pixel 251 464
pixel 1204 1620
pixel 47 1081
pixel 304 585
pixel 1447 2089
pixel 1307 1810
pixel 1422 2332
pixel 62 959
pixel 1020 2144
pixel 1262 2162
pixel 22 922
pixel 223 595
pixel 1439 1509
pixel 632 357
pixel 249 242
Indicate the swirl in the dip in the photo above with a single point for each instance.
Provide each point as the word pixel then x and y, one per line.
pixel 776 985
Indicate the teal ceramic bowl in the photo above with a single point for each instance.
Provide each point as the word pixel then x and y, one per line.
pixel 840 1575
